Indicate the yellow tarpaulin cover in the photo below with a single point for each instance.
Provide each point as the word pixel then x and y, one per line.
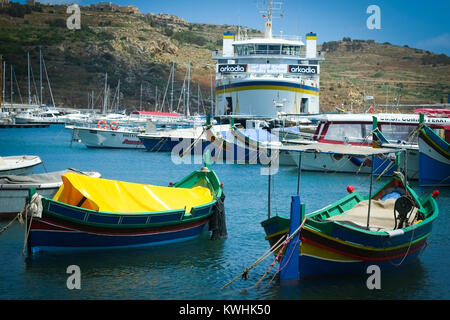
pixel 117 196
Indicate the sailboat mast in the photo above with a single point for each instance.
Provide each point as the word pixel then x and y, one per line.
pixel 140 99
pixel 48 82
pixel 29 83
pixel 171 92
pixel 40 75
pixel 268 193
pixel 12 87
pixel 198 98
pixel 105 93
pixel 188 85
pixel 1 81
pixel 211 87
pixel 118 95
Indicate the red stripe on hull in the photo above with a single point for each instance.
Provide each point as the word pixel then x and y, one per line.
pixel 52 226
pixel 392 257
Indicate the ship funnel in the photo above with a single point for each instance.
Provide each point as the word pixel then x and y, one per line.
pixel 227 47
pixel 311 45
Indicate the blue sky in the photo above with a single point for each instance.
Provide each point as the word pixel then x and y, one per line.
pixel 419 24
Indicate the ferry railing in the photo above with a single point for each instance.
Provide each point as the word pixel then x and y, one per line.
pixel 218 54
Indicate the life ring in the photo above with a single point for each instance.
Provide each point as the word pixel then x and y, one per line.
pixel 114 126
pixel 102 125
pixel 372 109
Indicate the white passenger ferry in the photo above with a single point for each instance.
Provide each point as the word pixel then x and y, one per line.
pixel 267 77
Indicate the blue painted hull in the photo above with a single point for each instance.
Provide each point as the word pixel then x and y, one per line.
pixel 50 237
pixel 433 172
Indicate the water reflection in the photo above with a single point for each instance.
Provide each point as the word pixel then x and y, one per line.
pixel 137 273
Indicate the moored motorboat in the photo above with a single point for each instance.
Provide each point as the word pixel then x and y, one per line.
pixel 109 136
pixel 243 146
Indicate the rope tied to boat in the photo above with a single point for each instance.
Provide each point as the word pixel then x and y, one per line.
pixel 277 246
pixel 195 141
pixel 33 208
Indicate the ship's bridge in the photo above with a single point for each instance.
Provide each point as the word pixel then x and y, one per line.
pixel 275 50
pixel 275 47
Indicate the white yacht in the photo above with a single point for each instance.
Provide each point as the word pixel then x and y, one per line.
pixel 267 77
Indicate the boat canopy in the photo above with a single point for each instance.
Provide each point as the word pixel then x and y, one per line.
pixel 338 149
pixel 114 196
pixel 40 178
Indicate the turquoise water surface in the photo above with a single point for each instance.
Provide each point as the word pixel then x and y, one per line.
pixel 197 269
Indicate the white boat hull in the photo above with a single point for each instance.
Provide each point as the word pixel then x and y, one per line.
pixel 98 138
pixel 327 162
pixel 18 165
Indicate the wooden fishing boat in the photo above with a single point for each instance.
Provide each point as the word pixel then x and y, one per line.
pixel 387 228
pixel 396 131
pixel 243 146
pixel 95 213
pixel 182 139
pixel 18 165
pixel 434 158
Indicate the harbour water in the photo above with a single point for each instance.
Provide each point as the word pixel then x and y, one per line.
pixel 197 269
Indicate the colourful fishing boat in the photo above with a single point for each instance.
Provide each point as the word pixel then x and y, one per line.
pixel 243 146
pixel 388 228
pixel 434 158
pixel 95 213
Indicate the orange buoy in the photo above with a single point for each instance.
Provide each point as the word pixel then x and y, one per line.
pixel 102 125
pixel 114 125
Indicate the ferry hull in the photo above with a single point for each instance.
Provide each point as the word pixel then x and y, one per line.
pixel 266 98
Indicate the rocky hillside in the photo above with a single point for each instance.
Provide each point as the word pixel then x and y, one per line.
pixel 139 49
pixel 391 74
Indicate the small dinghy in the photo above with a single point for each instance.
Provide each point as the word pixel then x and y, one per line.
pixel 18 165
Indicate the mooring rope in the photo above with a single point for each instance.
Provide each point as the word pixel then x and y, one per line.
pixel 33 208
pixel 193 143
pixel 273 249
pixel 10 223
pixel 258 261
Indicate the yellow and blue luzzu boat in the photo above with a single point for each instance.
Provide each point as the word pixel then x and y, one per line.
pixel 95 213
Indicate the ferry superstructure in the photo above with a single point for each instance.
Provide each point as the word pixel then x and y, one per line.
pixel 267 77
